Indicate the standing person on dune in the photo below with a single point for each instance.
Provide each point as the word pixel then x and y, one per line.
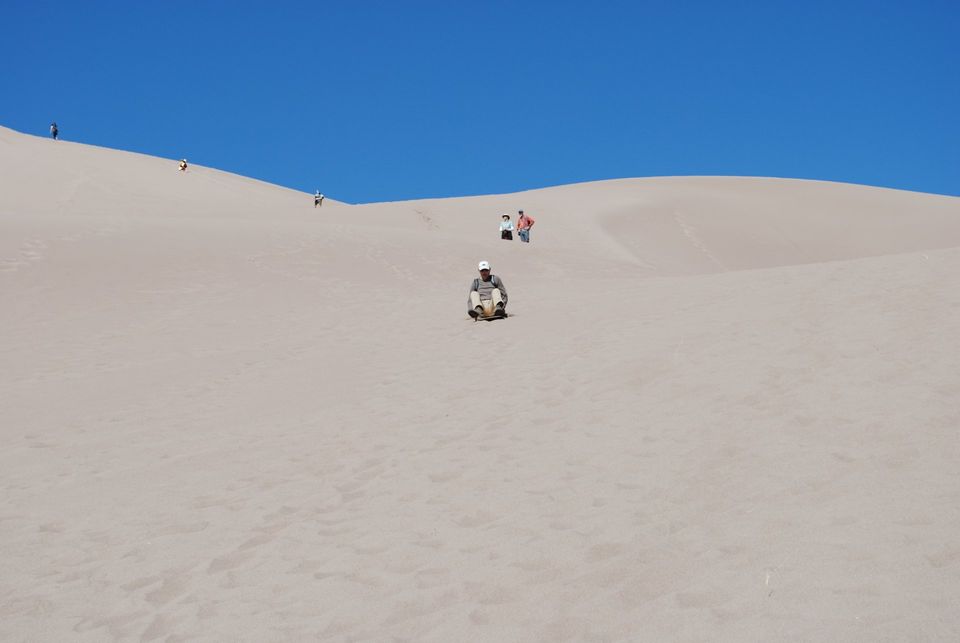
pixel 524 223
pixel 506 228
pixel 54 130
pixel 317 199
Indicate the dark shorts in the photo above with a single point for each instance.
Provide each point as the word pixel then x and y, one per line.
pixel 506 234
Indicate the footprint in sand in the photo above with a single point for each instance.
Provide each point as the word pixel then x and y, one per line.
pixel 159 628
pixel 228 562
pixel 475 519
pixel 171 588
pixel 603 551
pixel 31 251
pixel 445 476
pixel 945 557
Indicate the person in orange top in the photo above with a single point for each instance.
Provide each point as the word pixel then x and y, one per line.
pixel 524 223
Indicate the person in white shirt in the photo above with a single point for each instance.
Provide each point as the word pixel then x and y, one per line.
pixel 506 228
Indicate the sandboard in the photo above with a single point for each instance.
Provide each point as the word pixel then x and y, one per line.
pixel 502 315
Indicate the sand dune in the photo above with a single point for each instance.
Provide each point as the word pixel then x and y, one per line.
pixel 722 409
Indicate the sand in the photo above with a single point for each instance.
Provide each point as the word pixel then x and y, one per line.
pixel 722 409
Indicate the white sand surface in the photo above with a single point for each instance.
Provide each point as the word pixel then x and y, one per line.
pixel 723 409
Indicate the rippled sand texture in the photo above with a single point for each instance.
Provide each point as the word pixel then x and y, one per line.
pixel 723 409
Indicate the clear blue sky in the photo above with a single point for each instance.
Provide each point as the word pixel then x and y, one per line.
pixel 374 101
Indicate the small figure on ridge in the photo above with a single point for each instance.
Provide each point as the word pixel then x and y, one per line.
pixel 54 130
pixel 183 165
pixel 317 199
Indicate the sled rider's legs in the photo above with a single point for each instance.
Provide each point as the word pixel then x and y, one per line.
pixel 496 299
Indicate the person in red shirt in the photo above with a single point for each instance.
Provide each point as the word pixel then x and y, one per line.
pixel 524 223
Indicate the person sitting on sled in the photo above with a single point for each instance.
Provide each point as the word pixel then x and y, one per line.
pixel 488 296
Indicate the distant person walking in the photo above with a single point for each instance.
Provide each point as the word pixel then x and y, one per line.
pixel 506 228
pixel 524 223
pixel 183 165
pixel 54 130
pixel 317 199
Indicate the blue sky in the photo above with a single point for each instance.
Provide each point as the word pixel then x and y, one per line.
pixel 375 101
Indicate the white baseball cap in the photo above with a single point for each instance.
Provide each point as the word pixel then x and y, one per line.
pixel 483 265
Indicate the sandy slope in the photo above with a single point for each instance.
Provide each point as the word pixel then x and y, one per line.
pixel 723 409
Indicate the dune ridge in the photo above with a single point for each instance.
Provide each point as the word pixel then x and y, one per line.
pixel 722 409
